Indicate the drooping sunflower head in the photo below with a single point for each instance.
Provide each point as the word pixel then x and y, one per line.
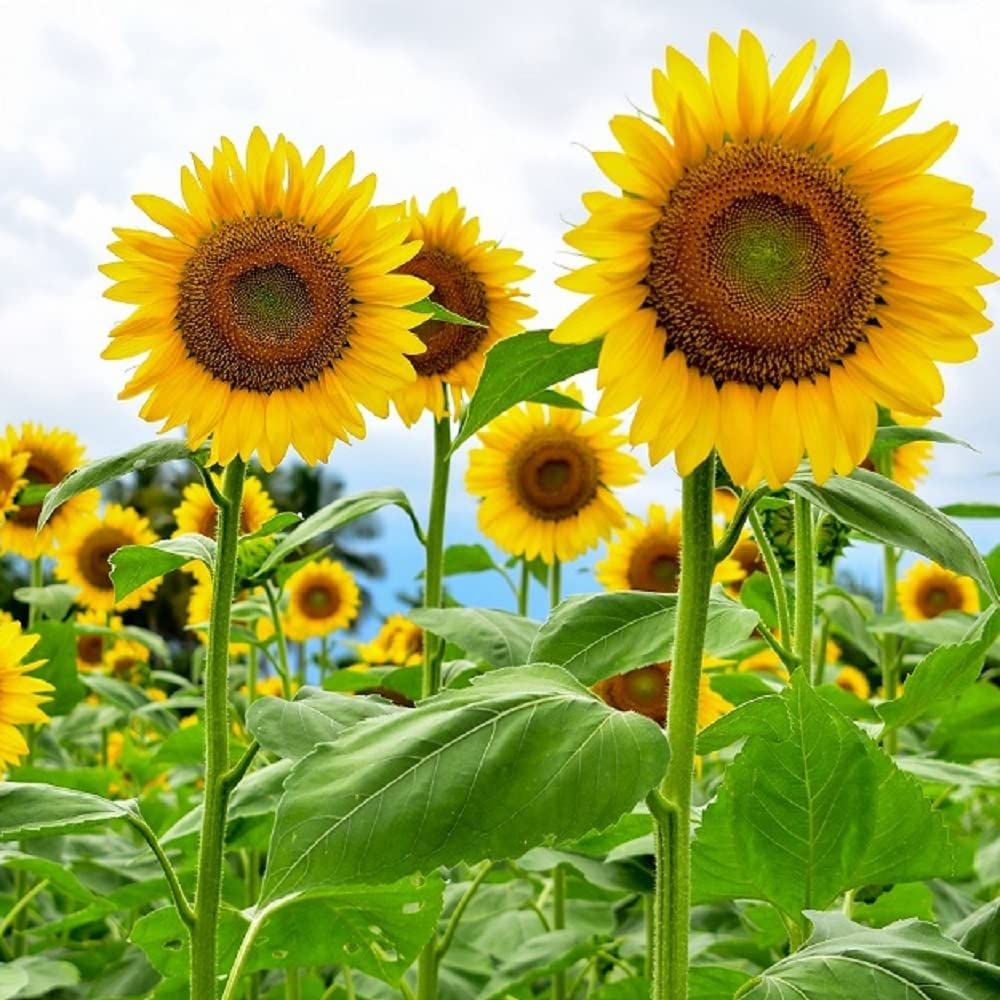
pixel 545 475
pixel 774 266
pixel 269 310
pixel 86 548
pixel 34 455
pixel 478 280
pixel 21 696
pixel 929 590
pixel 854 681
pixel 646 555
pixel 126 660
pixel 399 642
pixel 647 691
pixel 322 598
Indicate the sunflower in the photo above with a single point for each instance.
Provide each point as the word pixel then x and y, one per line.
pixel 51 456
pixel 90 645
pixel 12 467
pixel 646 555
pixel 399 642
pixel 773 268
pixel 545 476
pixel 197 514
pixel 126 660
pixel 767 661
pixel 471 277
pixel 87 546
pixel 910 462
pixel 20 696
pixel 647 691
pixel 724 503
pixel 322 598
pixel 929 590
pixel 270 310
pixel 854 681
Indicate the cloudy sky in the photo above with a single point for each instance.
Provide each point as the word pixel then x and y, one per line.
pixel 501 100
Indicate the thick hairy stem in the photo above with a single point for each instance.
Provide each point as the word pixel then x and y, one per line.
pixel 673 813
pixel 208 894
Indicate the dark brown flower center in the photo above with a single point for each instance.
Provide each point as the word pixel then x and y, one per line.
pixel 655 566
pixel 264 304
pixel 319 600
pixel 40 470
pixel 645 691
pixel 92 559
pixel 457 288
pixel 554 476
pixel 764 266
pixel 90 649
pixel 937 598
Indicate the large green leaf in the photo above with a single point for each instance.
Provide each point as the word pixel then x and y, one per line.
pixel 969 727
pixel 57 647
pixel 29 809
pixel 887 439
pixel 43 976
pixel 979 932
pixel 799 820
pixel 498 637
pixel 517 369
pixel 53 601
pixel 599 635
pixel 521 757
pixel 537 959
pixel 106 469
pixel 974 509
pixel 294 728
pixel 943 673
pixel 910 960
pixel 878 507
pixel 766 716
pixel 335 515
pixel 135 565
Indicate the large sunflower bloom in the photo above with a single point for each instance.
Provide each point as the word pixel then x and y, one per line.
pixel 646 555
pixel 51 456
pixel 85 550
pixel 774 268
pixel 647 691
pixel 20 695
pixel 269 311
pixel 545 476
pixel 929 590
pixel 398 642
pixel 322 598
pixel 471 277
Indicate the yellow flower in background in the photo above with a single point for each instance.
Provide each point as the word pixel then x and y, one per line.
pixel 929 590
pixel 746 554
pixel 854 681
pixel 269 311
pixel 646 555
pixel 774 267
pixel 126 660
pixel 90 646
pixel 475 278
pixel 322 598
pixel 767 661
pixel 51 456
pixel 544 475
pixel 910 462
pixel 21 696
pixel 272 687
pixel 12 468
pixel 399 642
pixel 724 503
pixel 647 691
pixel 85 548
pixel 199 612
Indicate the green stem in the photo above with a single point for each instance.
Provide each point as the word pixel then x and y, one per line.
pixel 279 637
pixel 208 895
pixel 293 984
pixel 253 660
pixel 805 585
pixel 21 906
pixel 460 907
pixel 673 829
pixel 890 643
pixel 177 893
pixel 559 982
pixel 36 579
pixel 819 663
pixel 735 527
pixel 427 968
pixel 349 992
pixel 775 576
pixel 524 588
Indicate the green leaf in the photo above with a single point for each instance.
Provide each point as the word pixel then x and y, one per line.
pixel 969 728
pixel 552 397
pixel 536 959
pixel 931 771
pixel 43 976
pixel 443 315
pixel 12 980
pixel 979 932
pixel 294 728
pixel 911 960
pixel 53 601
pixel 714 982
pixel 29 810
pixel 57 647
pixel 901 902
pixel 135 565
pixel 766 717
pixel 878 507
pixel 517 369
pixel 895 436
pixel 971 509
pixel 432 786
pixel 799 820
pixel 757 594
pixel 848 616
pixel 943 673
pixel 460 559
pixel 106 469
pixel 594 636
pixel 335 515
pixel 498 637
pixel 279 522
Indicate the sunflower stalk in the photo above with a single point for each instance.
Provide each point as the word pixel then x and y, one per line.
pixel 673 812
pixel 208 892
pixel 283 667
pixel 890 646
pixel 805 584
pixel 735 527
pixel 559 984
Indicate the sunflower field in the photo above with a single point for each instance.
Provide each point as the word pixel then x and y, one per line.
pixel 723 770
